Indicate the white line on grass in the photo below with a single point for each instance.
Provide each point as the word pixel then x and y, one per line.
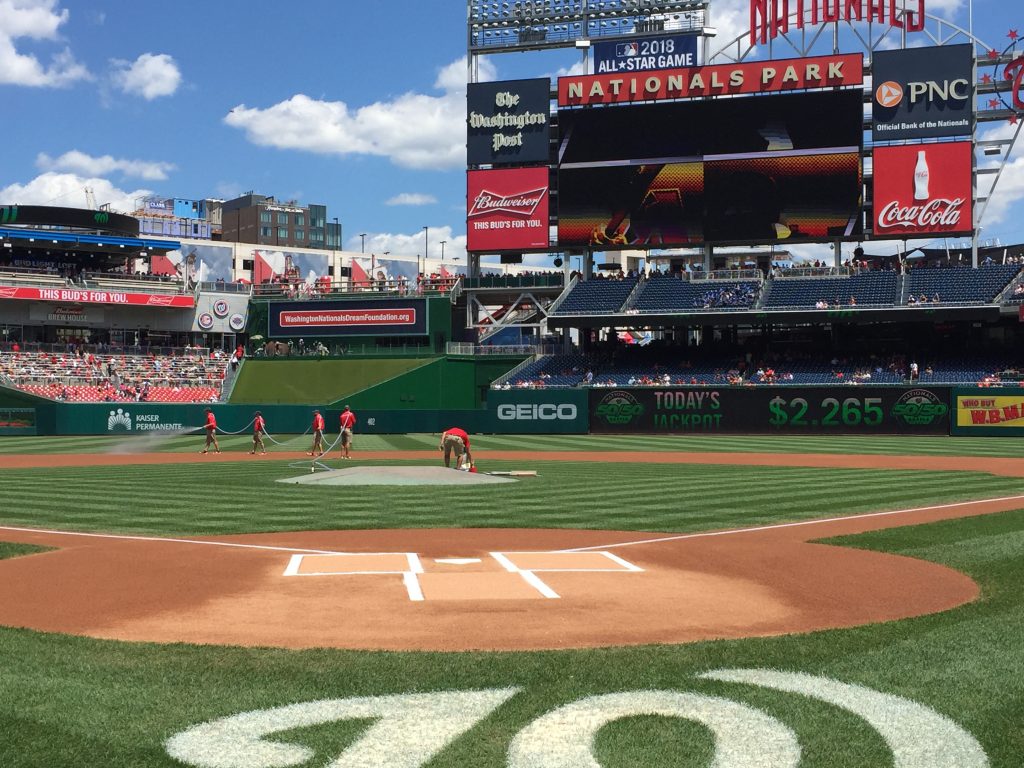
pixel 169 540
pixel 733 531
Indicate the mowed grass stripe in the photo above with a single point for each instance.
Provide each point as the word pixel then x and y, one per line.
pixel 236 498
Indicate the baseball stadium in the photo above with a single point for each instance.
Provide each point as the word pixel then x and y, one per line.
pixel 635 489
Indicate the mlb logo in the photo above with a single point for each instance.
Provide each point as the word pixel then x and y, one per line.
pixel 623 50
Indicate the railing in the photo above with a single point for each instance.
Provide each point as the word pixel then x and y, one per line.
pixel 817 272
pixel 562 296
pixel 469 349
pixel 105 349
pixel 219 286
pixel 323 289
pixel 728 274
pixel 546 280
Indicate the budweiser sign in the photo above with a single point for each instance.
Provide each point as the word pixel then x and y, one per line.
pixel 522 204
pixel 508 210
pixel 77 296
pixel 771 18
pixel 923 189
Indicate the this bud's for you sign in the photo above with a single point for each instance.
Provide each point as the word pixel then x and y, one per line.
pixel 507 210
pixel 923 189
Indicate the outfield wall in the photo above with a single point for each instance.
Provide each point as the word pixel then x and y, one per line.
pixel 982 411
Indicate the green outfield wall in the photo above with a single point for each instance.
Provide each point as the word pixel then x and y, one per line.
pixel 984 411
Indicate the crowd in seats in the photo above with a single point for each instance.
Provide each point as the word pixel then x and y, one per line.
pixel 597 296
pixel 958 285
pixel 83 376
pixel 650 367
pixel 862 289
pixel 668 294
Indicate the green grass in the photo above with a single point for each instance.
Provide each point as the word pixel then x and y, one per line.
pixel 81 702
pixel 833 444
pixel 8 550
pixel 72 701
pixel 314 380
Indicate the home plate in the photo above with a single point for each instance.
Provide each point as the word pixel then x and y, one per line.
pixel 395 475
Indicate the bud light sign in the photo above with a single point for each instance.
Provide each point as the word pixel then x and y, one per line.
pixel 923 189
pixel 642 54
pixel 508 210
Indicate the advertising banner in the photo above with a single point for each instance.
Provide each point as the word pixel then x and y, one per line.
pixel 17 421
pixel 789 410
pixel 508 210
pixel 923 189
pixel 80 296
pixel 774 76
pixel 645 53
pixel 407 317
pixel 726 171
pixel 537 411
pixel 988 412
pixel 507 122
pixel 923 93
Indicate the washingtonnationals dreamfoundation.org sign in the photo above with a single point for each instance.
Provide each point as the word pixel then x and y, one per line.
pixel 349 318
pixel 719 80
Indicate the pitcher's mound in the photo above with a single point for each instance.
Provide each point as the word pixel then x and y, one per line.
pixel 395 475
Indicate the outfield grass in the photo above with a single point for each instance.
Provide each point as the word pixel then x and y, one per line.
pixel 889 445
pixel 68 701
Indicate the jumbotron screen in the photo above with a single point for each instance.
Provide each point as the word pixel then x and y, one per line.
pixel 761 169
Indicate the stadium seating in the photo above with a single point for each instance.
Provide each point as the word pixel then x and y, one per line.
pixel 959 285
pixel 114 378
pixel 670 294
pixel 597 296
pixel 867 289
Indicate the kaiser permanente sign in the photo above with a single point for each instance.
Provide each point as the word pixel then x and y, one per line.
pixel 719 80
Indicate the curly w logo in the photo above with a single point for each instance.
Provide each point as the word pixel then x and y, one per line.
pixel 119 420
pixel 101 217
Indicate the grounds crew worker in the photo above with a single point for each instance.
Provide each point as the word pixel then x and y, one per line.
pixel 455 440
pixel 211 432
pixel 318 435
pixel 347 421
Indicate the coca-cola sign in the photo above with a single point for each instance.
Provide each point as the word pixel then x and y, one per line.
pixel 508 210
pixel 923 189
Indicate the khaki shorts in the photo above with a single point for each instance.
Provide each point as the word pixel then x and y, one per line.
pixel 453 443
pixel 346 437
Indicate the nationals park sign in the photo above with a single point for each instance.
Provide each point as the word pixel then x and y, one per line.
pixel 774 76
pixel 75 296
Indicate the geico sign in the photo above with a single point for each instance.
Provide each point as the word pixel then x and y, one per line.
pixel 541 412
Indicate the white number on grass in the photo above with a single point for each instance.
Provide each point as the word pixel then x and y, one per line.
pixel 744 736
pixel 410 729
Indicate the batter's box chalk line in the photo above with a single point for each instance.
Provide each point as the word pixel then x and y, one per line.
pixel 529 565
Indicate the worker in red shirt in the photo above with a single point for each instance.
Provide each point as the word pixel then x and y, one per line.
pixel 318 435
pixel 211 432
pixel 455 440
pixel 259 426
pixel 347 421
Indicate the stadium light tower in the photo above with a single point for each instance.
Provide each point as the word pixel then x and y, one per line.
pixel 362 242
pixel 426 245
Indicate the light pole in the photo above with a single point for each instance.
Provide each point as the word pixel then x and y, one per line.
pixel 442 249
pixel 426 246
pixel 362 242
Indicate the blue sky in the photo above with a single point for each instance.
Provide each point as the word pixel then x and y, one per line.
pixel 356 105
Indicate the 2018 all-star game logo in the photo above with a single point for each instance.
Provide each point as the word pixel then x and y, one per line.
pixel 618 408
pixel 919 408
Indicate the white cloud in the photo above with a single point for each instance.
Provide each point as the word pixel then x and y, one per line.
pixel 947 8
pixel 412 245
pixel 35 20
pixel 150 76
pixel 414 130
pixel 412 198
pixel 1010 191
pixel 576 68
pixel 88 165
pixel 68 189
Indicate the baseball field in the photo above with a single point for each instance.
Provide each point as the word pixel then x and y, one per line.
pixel 639 602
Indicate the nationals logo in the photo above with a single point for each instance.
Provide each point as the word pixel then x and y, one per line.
pixel 922 189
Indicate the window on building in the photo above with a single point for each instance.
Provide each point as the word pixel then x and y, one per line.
pixel 300 234
pixel 282 218
pixel 282 233
pixel 266 232
pixel 264 217
pixel 300 220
